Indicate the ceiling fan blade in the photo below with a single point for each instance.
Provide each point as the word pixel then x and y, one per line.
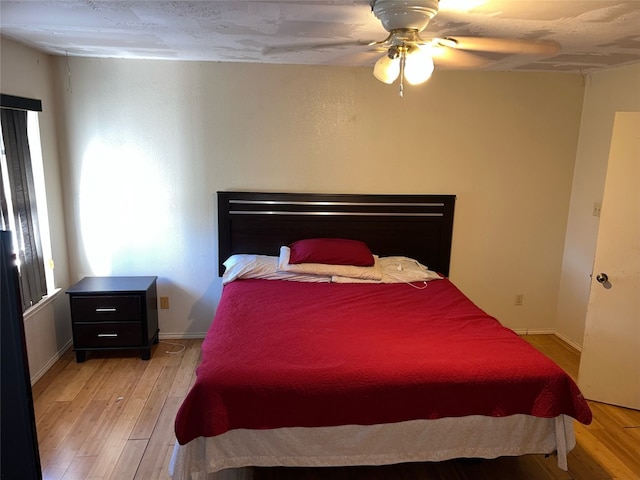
pixel 315 46
pixel 502 45
pixel 453 58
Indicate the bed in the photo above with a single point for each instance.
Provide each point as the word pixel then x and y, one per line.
pixel 324 361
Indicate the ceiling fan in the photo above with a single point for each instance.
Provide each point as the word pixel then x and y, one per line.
pixel 411 57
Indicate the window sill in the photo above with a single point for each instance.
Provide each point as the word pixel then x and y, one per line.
pixel 31 311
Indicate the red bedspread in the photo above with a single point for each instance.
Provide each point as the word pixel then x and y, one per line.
pixel 284 354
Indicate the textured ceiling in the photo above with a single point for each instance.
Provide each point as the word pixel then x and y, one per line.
pixel 593 34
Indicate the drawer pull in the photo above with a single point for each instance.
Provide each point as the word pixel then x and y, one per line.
pixel 109 309
pixel 111 335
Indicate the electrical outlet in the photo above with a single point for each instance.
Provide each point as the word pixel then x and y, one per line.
pixel 519 300
pixel 597 208
pixel 164 303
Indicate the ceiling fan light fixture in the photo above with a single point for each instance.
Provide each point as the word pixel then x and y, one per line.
pixel 414 15
pixel 387 69
pixel 418 66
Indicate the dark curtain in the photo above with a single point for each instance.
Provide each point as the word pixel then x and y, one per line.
pixel 14 134
pixel 4 208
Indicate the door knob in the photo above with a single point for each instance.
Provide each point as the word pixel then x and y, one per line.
pixel 602 278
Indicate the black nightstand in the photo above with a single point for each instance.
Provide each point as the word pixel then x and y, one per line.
pixel 113 313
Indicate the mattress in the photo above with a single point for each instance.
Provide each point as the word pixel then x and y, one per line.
pixel 283 355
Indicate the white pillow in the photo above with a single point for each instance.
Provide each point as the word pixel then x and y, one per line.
pixel 262 266
pixel 367 273
pixel 396 270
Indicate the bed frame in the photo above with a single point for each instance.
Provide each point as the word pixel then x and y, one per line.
pixel 416 226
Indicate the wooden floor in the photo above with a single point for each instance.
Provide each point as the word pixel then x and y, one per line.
pixel 111 417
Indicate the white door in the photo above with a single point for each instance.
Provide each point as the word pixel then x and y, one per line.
pixel 610 360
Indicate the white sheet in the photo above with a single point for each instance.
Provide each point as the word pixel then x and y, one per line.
pixel 414 441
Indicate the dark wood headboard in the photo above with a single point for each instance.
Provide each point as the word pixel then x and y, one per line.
pixel 416 226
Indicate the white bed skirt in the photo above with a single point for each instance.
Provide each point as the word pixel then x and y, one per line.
pixel 413 441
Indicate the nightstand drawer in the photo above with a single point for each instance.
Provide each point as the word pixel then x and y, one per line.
pixel 106 308
pixel 105 335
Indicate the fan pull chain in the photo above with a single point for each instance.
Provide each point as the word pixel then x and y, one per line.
pixel 402 62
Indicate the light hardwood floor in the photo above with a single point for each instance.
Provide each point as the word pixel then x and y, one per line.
pixel 111 417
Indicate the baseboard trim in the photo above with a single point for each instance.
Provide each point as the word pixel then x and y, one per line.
pixel 182 336
pixel 40 373
pixel 527 331
pixel 567 340
pixel 562 337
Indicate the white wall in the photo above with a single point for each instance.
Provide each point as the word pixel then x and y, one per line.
pixel 505 143
pixel 27 73
pixel 606 93
pixel 148 143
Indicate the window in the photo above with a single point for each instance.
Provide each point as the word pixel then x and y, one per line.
pixel 22 210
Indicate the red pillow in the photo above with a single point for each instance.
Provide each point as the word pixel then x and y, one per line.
pixel 331 251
